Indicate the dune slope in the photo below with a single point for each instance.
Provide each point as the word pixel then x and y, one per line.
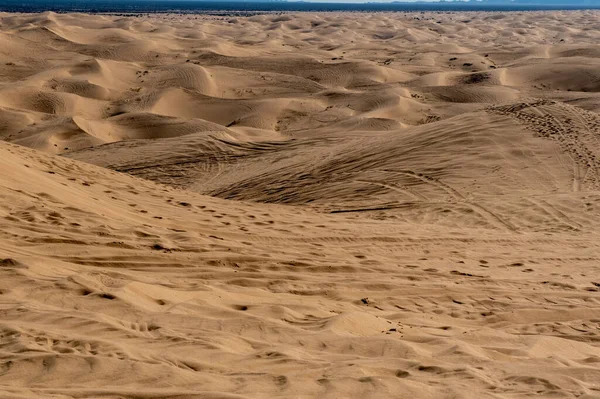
pixel 114 286
pixel 300 205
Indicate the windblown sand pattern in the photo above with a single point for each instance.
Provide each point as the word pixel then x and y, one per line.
pixel 334 205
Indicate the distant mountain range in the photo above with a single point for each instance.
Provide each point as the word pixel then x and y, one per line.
pixel 229 6
pixel 513 2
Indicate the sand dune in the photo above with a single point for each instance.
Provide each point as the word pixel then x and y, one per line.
pixel 300 205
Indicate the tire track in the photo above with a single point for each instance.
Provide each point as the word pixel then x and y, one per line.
pixel 491 217
pixel 570 127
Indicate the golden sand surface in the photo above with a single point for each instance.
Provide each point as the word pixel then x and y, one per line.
pixel 335 205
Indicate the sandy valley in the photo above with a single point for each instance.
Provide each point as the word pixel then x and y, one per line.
pixel 334 205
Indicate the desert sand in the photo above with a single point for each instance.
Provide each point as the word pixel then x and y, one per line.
pixel 300 205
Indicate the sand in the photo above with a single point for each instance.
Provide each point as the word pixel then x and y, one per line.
pixel 333 205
